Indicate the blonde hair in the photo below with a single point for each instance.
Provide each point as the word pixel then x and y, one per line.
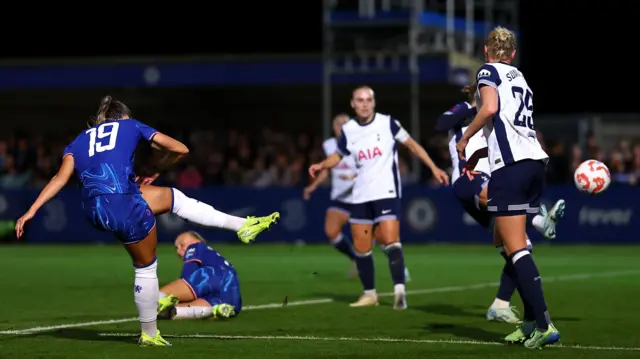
pixel 101 116
pixel 197 236
pixel 501 43
pixel 109 110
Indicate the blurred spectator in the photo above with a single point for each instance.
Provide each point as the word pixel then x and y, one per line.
pixel 275 158
pixel 559 169
pixel 189 177
pixel 407 177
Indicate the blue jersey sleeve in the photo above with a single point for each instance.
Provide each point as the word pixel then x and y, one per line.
pixel 455 116
pixel 192 260
pixel 194 253
pixel 342 145
pixel 145 131
pixel 68 150
pixel 71 148
pixel 487 75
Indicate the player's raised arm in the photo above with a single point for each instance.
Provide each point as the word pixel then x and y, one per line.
pixel 333 159
pixel 402 136
pixel 162 142
pixel 327 164
pixel 173 150
pixel 49 191
pixel 452 118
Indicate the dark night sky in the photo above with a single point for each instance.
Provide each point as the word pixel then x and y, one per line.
pixel 575 54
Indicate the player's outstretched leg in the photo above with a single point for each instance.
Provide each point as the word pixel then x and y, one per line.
pixel 164 199
pixel 146 288
pixel 253 226
pixel 545 222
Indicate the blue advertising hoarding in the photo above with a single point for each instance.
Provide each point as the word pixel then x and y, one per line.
pixel 429 215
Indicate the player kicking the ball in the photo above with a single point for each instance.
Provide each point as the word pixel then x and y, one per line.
pixel 115 200
pixel 208 285
pixel 371 138
pixel 470 179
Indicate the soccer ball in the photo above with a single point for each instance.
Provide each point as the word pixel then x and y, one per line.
pixel 592 177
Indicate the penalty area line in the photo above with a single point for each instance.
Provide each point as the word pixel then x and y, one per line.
pixel 451 289
pixel 356 339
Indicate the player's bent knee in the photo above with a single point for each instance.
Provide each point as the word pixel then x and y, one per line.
pixel 362 244
pixel 159 199
pixel 388 232
pixel 180 289
pixel 143 253
pixel 194 303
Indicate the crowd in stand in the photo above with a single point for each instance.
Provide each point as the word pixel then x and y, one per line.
pixel 272 158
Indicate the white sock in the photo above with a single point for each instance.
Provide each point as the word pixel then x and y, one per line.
pixel 398 288
pixel 145 294
pixel 202 214
pixel 371 292
pixel 161 295
pixel 538 223
pixel 193 312
pixel 499 303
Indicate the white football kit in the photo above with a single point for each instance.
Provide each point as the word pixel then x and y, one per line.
pixel 342 178
pixel 516 158
pixel 377 188
pixel 476 142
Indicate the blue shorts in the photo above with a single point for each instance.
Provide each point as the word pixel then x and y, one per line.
pixel 516 189
pixel 216 287
pixel 128 216
pixel 340 207
pixel 376 211
pixel 467 192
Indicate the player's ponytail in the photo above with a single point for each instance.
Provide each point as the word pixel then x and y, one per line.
pixel 110 110
pixel 501 43
pixel 102 110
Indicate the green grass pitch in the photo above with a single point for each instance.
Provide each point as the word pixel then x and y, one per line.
pixel 77 302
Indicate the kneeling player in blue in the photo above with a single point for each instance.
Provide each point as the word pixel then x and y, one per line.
pixel 208 285
pixel 470 179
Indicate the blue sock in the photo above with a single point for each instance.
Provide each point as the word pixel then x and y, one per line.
pixel 508 280
pixel 364 261
pixel 395 255
pixel 509 283
pixel 343 244
pixel 531 286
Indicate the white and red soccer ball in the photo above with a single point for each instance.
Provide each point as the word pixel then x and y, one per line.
pixel 592 177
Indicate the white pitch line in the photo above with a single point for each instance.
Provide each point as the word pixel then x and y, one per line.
pixel 450 289
pixel 356 339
